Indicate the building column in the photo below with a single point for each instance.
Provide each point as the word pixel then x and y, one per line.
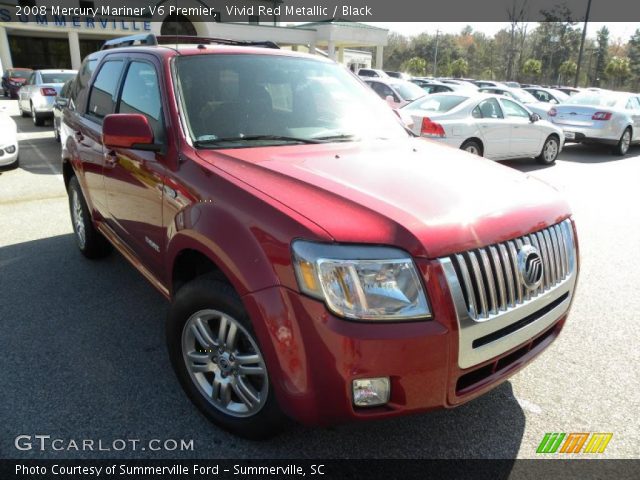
pixel 341 54
pixel 331 49
pixel 5 51
pixel 379 51
pixel 74 49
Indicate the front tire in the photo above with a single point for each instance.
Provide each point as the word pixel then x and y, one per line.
pixel 623 144
pixel 215 355
pixel 90 242
pixel 550 151
pixel 473 147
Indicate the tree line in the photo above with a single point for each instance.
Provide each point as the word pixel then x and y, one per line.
pixel 546 53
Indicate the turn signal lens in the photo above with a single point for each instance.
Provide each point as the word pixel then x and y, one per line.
pixel 552 113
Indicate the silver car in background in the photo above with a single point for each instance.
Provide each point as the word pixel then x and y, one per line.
pixel 492 126
pixel 600 116
pixel 522 96
pixel 36 97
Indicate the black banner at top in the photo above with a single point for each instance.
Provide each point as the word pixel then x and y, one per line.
pixel 302 11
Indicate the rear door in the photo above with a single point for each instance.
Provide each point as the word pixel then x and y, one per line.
pixel 134 178
pixel 494 129
pixel 526 136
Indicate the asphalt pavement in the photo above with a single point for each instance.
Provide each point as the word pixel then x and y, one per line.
pixel 83 354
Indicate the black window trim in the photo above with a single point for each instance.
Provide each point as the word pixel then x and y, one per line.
pixel 163 106
pixel 94 76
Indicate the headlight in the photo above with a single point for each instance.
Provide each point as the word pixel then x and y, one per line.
pixel 361 282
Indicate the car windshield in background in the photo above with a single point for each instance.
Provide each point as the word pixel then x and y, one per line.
pixel 19 73
pixel 256 100
pixel 57 77
pixel 595 99
pixel 436 103
pixel 524 96
pixel 409 91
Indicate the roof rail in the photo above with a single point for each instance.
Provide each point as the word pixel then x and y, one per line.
pixel 152 39
pixel 131 40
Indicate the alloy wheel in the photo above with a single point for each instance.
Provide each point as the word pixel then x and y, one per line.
pixel 472 149
pixel 78 219
pixel 551 150
pixel 225 363
pixel 625 141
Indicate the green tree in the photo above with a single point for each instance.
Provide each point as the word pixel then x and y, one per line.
pixel 602 55
pixel 415 66
pixel 532 69
pixel 459 68
pixel 568 70
pixel 634 60
pixel 618 70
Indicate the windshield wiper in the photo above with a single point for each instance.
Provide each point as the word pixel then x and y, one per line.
pixel 249 138
pixel 341 137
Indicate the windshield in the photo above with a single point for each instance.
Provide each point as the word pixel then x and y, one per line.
pixel 19 73
pixel 256 100
pixel 595 99
pixel 435 103
pixel 57 77
pixel 523 96
pixel 409 91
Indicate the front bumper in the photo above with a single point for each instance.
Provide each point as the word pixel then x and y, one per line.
pixel 7 158
pixel 313 356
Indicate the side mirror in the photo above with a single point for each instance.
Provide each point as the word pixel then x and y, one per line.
pixel 123 130
pixel 62 102
pixel 534 117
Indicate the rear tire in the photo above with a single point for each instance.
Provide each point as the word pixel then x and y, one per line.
pixel 623 144
pixel 215 382
pixel 38 121
pixel 22 112
pixel 473 147
pixel 89 240
pixel 550 151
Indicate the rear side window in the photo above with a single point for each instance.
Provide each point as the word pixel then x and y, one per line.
pixel 488 108
pixel 141 94
pixel 102 96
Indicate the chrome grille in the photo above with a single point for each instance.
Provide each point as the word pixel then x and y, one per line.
pixel 491 282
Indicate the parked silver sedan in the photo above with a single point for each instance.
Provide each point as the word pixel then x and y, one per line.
pixel 495 127
pixel 36 97
pixel 600 116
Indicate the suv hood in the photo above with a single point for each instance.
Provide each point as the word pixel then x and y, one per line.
pixel 428 199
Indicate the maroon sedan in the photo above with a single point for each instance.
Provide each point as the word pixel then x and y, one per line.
pixel 13 79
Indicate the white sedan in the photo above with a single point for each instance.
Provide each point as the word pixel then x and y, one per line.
pixel 492 126
pixel 8 140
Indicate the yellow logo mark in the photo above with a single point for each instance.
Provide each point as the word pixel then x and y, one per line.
pixel 598 442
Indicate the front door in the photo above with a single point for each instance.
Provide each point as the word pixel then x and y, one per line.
pixel 134 178
pixel 526 137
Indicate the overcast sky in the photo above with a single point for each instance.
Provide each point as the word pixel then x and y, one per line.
pixel 622 30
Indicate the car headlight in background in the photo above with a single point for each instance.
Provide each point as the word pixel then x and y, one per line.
pixel 361 282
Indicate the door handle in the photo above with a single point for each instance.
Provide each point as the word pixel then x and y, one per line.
pixel 110 159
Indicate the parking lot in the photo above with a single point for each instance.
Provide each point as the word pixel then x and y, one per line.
pixel 83 353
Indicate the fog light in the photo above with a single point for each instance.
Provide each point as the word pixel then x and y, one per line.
pixel 369 392
pixel 10 149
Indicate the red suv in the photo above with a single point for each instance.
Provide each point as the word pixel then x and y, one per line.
pixel 321 262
